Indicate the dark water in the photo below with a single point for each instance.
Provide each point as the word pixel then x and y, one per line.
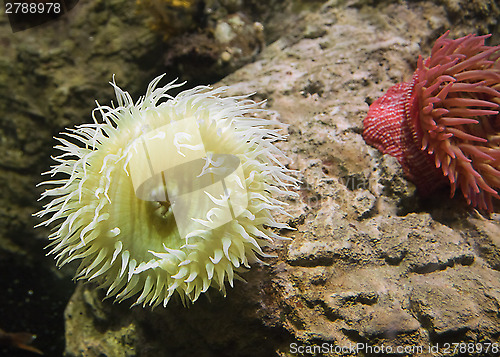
pixel 33 299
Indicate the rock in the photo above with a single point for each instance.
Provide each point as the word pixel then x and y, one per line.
pixel 485 237
pixel 454 313
pixel 107 339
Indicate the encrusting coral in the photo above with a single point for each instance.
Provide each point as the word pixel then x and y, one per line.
pixel 170 194
pixel 445 122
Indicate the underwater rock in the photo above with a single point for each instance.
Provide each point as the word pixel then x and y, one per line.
pixel 233 41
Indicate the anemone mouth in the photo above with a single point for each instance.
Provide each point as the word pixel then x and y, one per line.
pixel 458 96
pixel 167 195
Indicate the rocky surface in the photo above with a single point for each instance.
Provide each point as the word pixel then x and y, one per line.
pixel 370 261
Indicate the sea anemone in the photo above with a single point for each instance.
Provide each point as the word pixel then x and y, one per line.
pixel 170 194
pixel 445 122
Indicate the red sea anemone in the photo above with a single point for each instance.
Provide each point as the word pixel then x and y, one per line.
pixel 446 120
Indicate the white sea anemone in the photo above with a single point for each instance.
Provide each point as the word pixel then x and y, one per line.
pixel 170 194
